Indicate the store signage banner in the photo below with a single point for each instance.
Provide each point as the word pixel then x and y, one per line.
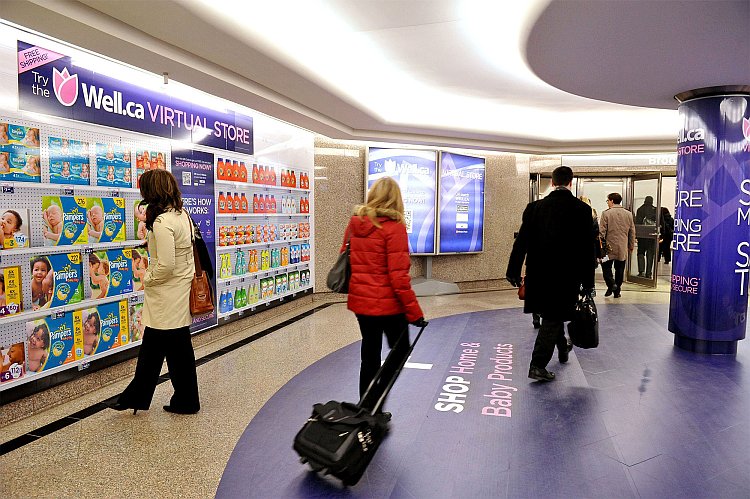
pixel 711 244
pixel 461 203
pixel 416 174
pixel 194 171
pixel 49 83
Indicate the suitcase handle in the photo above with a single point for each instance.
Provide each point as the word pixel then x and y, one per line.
pixel 404 337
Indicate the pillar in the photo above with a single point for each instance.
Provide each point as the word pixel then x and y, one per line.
pixel 711 245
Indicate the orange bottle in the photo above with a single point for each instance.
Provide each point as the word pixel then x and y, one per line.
pixel 294 179
pixel 237 203
pixel 220 169
pixel 243 172
pixel 255 173
pixel 222 203
pixel 256 208
pixel 243 204
pixel 236 171
pixel 273 176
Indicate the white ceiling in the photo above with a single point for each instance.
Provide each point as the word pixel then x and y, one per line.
pixel 527 75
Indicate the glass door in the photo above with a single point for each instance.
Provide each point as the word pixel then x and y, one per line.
pixel 644 201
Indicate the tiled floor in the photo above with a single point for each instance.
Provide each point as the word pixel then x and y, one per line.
pixel 633 418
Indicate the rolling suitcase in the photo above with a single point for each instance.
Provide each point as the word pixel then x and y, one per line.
pixel 341 438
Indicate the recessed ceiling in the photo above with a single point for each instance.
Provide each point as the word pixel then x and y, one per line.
pixel 518 76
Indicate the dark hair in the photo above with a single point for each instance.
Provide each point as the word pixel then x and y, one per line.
pixel 648 200
pixel 615 197
pixel 97 321
pixel 159 189
pixel 42 259
pixel 665 210
pixel 93 259
pixel 45 337
pixel 562 175
pixel 18 217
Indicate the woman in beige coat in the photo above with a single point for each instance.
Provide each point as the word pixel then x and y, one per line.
pixel 166 309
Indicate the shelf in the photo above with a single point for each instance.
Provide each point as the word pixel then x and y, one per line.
pixel 70 248
pixel 241 278
pixel 240 185
pixel 268 301
pixel 261 245
pixel 30 315
pixel 235 216
pixel 64 188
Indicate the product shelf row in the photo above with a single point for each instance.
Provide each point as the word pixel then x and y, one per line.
pixel 224 249
pixel 237 279
pixel 252 307
pixel 244 185
pixel 72 248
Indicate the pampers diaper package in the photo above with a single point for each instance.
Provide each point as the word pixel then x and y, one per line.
pixel 11 294
pixel 56 280
pixel 140 266
pixel 12 362
pixel 14 228
pixel 19 153
pixel 139 229
pixel 106 219
pixel 52 342
pixel 105 327
pixel 111 272
pixel 69 161
pixel 64 220
pixel 113 166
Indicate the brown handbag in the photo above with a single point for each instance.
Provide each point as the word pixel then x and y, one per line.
pixel 522 289
pixel 201 301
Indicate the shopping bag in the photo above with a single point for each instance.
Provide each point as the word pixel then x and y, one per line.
pixel 584 328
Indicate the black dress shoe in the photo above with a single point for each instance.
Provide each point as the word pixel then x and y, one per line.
pixel 177 410
pixel 617 293
pixel 541 374
pixel 119 406
pixel 563 355
pixel 537 324
pixel 609 292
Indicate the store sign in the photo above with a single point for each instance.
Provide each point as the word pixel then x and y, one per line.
pixel 461 203
pixel 49 83
pixel 416 174
pixel 194 171
pixel 711 263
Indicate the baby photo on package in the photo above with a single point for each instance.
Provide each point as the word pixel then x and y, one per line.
pixel 139 208
pixel 12 362
pixel 111 272
pixel 69 161
pixel 140 266
pixel 148 160
pixel 52 342
pixel 113 166
pixel 64 220
pixel 104 327
pixel 14 228
pixel 56 280
pixel 136 326
pixel 105 219
pixel 19 153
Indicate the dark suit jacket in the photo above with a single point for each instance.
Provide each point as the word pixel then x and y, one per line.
pixel 555 240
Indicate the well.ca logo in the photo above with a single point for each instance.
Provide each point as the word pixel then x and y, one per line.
pixel 66 90
pixel 65 86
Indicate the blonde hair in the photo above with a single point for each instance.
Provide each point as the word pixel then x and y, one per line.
pixel 384 199
pixel 588 202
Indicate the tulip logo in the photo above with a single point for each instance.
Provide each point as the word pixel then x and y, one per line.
pixel 746 132
pixel 66 86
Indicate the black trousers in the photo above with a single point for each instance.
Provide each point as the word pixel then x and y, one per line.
pixel 551 334
pixel 372 328
pixel 646 255
pixel 665 250
pixel 176 347
pixel 615 282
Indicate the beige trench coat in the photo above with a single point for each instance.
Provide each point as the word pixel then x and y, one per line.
pixel 170 272
pixel 617 228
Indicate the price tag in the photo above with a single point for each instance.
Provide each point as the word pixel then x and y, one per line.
pixel 84 365
pixel 57 315
pixel 226 284
pixel 8 189
pixel 242 280
pixel 114 193
pixel 68 191
pixel 88 250
pixel 134 299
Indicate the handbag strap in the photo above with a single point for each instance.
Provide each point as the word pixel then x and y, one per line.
pixel 198 268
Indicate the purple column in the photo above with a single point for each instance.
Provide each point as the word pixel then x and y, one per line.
pixel 711 261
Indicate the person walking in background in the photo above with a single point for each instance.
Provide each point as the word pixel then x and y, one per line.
pixel 594 231
pixel 616 227
pixel 380 292
pixel 667 232
pixel 555 240
pixel 166 308
pixel 646 215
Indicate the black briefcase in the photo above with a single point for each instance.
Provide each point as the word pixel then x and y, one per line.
pixel 340 438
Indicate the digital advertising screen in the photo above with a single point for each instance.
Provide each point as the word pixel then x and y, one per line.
pixel 461 203
pixel 416 174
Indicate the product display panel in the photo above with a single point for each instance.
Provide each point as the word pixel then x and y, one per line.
pixel 416 174
pixel 461 203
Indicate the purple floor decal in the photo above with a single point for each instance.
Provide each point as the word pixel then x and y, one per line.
pixel 633 418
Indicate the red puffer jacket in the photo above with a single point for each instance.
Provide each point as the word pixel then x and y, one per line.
pixel 379 257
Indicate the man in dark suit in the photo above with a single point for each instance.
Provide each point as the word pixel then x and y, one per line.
pixel 555 240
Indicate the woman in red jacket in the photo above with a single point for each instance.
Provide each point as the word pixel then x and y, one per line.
pixel 380 291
